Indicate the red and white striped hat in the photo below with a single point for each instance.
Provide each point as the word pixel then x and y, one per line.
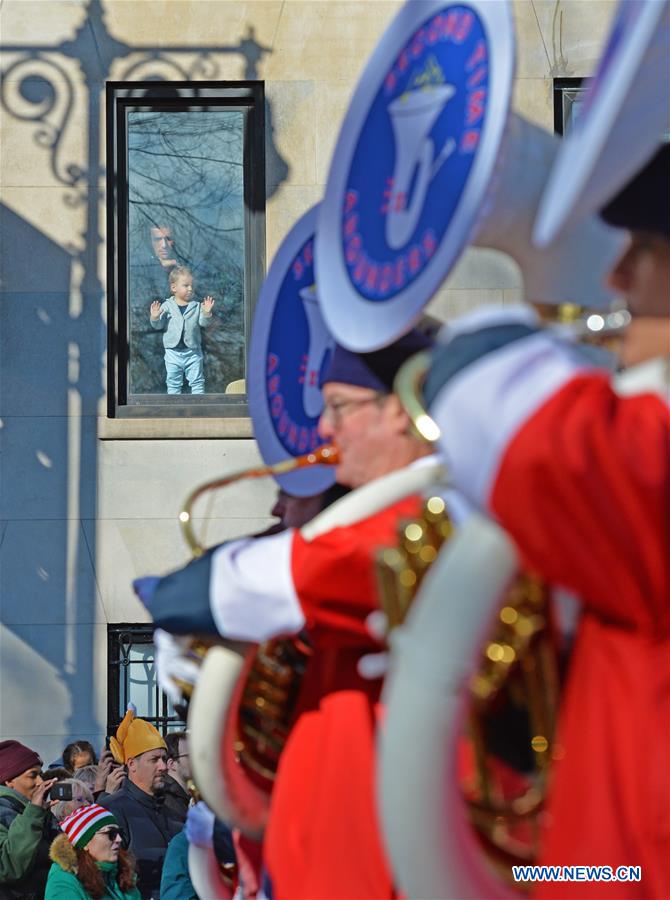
pixel 81 825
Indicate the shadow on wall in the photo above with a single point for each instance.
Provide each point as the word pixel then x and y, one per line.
pixel 52 340
pixel 48 395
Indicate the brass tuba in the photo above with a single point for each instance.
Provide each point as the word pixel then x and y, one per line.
pixel 514 681
pixel 472 626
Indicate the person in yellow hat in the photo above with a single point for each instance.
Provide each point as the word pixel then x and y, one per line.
pixel 147 825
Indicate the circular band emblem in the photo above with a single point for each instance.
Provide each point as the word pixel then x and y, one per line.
pixel 399 200
pixel 290 347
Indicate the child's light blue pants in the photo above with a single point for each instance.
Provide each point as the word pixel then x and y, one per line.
pixel 184 362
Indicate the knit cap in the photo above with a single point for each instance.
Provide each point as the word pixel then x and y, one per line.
pixel 134 736
pixel 85 822
pixel 16 758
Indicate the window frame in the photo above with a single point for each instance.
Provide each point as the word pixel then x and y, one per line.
pixel 118 663
pixel 120 96
pixel 563 86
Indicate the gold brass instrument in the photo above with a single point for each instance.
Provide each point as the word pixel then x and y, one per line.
pixel 517 669
pixel 326 455
pixel 268 702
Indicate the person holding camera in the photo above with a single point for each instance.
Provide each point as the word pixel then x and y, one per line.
pixel 67 796
pixel 27 827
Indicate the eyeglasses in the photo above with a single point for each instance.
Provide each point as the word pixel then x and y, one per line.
pixel 111 833
pixel 335 413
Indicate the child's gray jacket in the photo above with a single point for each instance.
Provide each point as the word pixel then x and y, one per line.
pixel 188 324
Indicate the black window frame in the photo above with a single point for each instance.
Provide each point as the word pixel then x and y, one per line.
pixel 120 639
pixel 563 87
pixel 175 96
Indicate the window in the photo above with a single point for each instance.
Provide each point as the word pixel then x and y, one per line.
pixel 569 95
pixel 186 226
pixel 132 678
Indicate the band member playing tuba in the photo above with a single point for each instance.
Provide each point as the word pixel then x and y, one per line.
pixel 322 839
pixel 579 474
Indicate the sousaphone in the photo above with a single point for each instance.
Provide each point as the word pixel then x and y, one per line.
pixel 430 159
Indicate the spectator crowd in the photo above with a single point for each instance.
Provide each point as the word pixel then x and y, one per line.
pixel 99 827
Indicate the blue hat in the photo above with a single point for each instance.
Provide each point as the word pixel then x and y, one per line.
pixel 376 370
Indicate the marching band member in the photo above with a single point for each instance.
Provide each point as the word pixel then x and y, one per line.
pixel 322 839
pixel 579 475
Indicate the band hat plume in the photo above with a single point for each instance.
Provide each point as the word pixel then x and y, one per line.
pixel 85 822
pixel 134 736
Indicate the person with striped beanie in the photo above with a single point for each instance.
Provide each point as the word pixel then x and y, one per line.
pixel 88 859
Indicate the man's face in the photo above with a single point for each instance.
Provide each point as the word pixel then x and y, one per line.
pixel 162 243
pixel 364 426
pixel 26 782
pixel 148 770
pixel 642 275
pixel 294 512
pixel 181 767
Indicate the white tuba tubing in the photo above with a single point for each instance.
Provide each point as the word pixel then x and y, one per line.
pixel 432 849
pixel 573 268
pixel 235 800
pixel 205 874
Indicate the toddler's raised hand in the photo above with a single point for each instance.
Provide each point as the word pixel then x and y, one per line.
pixel 155 309
pixel 207 305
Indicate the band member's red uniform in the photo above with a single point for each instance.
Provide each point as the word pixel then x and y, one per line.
pixel 580 477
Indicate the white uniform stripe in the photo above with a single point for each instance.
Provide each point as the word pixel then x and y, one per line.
pixel 251 589
pixel 480 410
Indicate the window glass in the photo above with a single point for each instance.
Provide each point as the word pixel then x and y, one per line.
pixel 185 215
pixel 132 679
pixel 185 246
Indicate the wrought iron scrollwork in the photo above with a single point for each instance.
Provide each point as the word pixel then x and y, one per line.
pixel 35 88
pixel 160 66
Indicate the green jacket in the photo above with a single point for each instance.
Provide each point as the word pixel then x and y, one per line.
pixel 63 883
pixel 26 831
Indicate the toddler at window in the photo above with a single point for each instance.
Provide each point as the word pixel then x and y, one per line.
pixel 181 318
